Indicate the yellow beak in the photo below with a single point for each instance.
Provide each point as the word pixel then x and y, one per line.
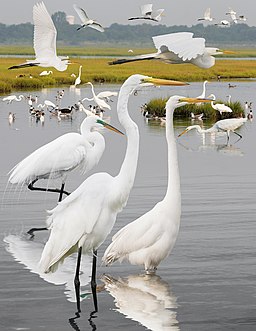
pixel 158 81
pixel 112 128
pixel 194 100
pixel 228 52
pixel 182 133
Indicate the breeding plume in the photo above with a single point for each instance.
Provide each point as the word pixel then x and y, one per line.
pixel 86 21
pixel 180 47
pixel 94 205
pixel 45 35
pixel 150 238
pixel 147 14
pixel 228 125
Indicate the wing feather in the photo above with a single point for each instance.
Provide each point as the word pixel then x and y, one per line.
pixel 81 13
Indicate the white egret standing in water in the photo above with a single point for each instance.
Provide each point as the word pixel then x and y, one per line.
pixel 220 107
pixel 45 35
pixel 82 221
pixel 150 238
pixel 179 47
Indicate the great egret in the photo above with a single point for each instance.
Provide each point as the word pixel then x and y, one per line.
pixel 146 13
pixel 202 95
pixel 154 233
pixel 45 35
pixel 228 125
pixel 62 155
pixel 106 95
pixel 198 117
pixel 78 79
pixel 86 21
pixel 46 73
pixel 12 98
pixel 94 205
pixel 207 16
pixel 220 107
pixel 223 23
pixel 180 47
pixel 98 100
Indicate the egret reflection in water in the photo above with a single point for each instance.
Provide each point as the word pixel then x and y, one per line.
pixel 28 253
pixel 146 299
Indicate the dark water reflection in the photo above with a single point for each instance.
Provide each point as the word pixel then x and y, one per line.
pixel 211 270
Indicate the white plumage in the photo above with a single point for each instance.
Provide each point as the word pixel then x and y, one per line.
pixel 207 16
pixel 147 13
pixel 220 107
pixel 86 21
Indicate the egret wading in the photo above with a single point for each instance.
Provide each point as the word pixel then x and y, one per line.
pixel 154 233
pixel 82 221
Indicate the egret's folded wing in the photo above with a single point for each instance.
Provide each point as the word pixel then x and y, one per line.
pixel 45 33
pixel 184 46
pixel 146 9
pixel 81 13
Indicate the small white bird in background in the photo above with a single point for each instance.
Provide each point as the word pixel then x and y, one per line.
pixel 220 107
pixel 228 125
pixel 102 104
pixel 152 241
pixel 180 47
pixel 45 35
pixel 78 79
pixel 223 23
pixel 207 16
pixel 12 98
pixel 46 73
pixel 86 21
pixel 94 205
pixel 242 18
pixel 147 14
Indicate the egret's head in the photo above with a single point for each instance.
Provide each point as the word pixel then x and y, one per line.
pixel 217 51
pixel 191 127
pixel 177 101
pixel 212 97
pixel 94 122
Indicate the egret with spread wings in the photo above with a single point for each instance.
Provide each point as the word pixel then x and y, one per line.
pixel 86 21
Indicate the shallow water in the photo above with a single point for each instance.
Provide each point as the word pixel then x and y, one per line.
pixel 208 282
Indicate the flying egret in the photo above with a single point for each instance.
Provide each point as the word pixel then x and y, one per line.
pixel 98 100
pixel 146 14
pixel 228 125
pixel 150 238
pixel 78 79
pixel 82 221
pixel 223 23
pixel 44 42
pixel 207 16
pixel 220 107
pixel 180 47
pixel 12 98
pixel 86 21
pixel 46 73
pixel 62 155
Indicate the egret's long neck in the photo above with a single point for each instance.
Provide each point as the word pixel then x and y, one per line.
pixel 129 166
pixel 204 90
pixel 172 196
pixel 93 93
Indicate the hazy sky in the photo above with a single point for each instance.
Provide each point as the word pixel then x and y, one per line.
pixel 184 12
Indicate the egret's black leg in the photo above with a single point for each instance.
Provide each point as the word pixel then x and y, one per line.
pixel 93 280
pixel 44 189
pixel 61 192
pixel 77 280
pixel 238 134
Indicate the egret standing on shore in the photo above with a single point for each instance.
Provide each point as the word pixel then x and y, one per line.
pixel 82 221
pixel 45 35
pixel 150 238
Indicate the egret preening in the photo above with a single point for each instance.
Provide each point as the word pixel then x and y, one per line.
pixel 86 21
pixel 207 16
pixel 150 238
pixel 45 35
pixel 147 14
pixel 62 155
pixel 228 125
pixel 78 79
pixel 12 98
pixel 82 221
pixel 220 107
pixel 180 47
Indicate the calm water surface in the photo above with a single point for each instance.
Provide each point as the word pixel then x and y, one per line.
pixel 207 283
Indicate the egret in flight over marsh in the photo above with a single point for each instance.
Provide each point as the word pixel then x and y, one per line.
pixel 45 35
pixel 150 238
pixel 94 205
pixel 207 16
pixel 227 125
pixel 179 47
pixel 147 14
pixel 86 21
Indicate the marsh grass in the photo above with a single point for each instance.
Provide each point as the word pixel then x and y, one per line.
pixel 98 70
pixel 156 107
